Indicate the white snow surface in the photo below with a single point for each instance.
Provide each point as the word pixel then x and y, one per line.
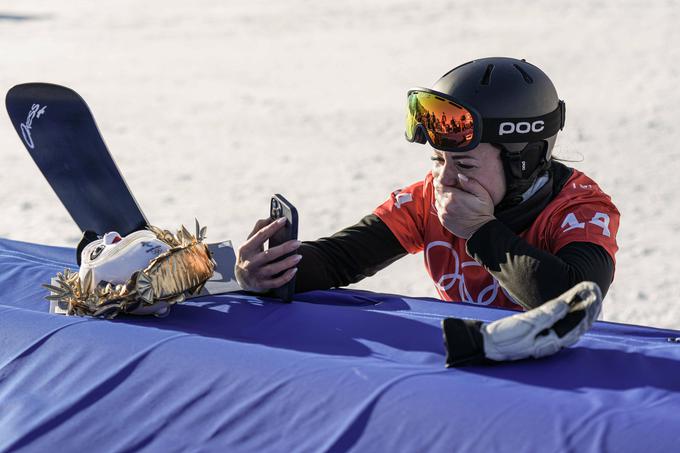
pixel 210 107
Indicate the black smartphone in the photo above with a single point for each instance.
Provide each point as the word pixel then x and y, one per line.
pixel 280 207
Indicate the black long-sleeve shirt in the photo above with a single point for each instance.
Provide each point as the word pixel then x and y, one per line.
pixel 531 275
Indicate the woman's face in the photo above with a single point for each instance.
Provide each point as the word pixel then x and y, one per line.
pixel 482 163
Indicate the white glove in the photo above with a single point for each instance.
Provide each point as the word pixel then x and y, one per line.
pixel 546 329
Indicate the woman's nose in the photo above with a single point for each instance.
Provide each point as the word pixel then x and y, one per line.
pixel 448 175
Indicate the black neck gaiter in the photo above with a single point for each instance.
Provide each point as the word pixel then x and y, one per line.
pixel 519 217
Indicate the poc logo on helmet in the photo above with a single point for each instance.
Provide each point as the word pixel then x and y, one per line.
pixel 523 127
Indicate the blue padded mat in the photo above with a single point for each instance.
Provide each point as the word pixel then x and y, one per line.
pixel 333 371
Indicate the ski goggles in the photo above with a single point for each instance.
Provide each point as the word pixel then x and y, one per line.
pixel 450 125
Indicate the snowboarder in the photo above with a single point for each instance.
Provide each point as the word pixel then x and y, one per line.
pixel 500 221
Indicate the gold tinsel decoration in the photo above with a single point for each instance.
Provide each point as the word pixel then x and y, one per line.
pixel 165 281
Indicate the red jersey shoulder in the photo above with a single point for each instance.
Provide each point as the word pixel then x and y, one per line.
pixel 412 195
pixel 581 212
pixel 404 212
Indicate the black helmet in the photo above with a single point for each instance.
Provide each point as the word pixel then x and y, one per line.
pixel 520 110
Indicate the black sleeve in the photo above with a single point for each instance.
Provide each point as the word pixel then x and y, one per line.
pixel 348 256
pixel 531 275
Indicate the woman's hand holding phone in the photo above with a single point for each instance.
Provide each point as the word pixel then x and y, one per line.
pixel 257 269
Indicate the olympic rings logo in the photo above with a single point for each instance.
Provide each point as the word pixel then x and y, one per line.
pixel 445 282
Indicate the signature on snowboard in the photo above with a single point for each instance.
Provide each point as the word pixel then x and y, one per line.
pixel 35 112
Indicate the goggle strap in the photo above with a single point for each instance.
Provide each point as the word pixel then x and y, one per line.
pixel 517 130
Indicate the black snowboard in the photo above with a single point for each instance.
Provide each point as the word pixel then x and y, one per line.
pixel 60 134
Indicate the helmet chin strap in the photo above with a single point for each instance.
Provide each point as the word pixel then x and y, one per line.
pixel 522 166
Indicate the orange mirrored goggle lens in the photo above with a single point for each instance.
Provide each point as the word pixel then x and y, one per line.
pixel 447 124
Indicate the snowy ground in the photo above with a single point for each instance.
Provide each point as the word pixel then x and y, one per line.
pixel 210 107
